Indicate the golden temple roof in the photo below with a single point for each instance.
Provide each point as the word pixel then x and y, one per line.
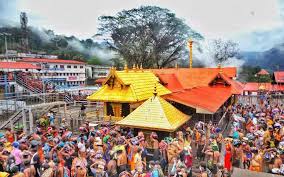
pixel 128 86
pixel 155 114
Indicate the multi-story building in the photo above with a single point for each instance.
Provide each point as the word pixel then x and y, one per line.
pixel 97 71
pixel 62 72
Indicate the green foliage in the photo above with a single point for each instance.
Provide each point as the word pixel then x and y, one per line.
pixel 249 74
pixel 94 61
pixel 149 35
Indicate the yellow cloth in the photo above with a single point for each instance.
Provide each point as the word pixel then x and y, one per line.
pixel 4 174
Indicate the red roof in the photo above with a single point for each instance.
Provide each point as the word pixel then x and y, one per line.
pixel 278 88
pixel 17 65
pixel 253 86
pixel 263 72
pixel 46 60
pixel 195 77
pixel 279 76
pixel 206 98
pixel 195 87
pixel 171 82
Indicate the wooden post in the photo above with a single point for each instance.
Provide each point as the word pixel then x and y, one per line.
pixel 24 120
pixel 31 120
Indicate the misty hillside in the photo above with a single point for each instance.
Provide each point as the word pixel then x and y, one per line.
pixel 46 41
pixel 272 59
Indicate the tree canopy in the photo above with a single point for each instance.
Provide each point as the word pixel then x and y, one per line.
pixel 223 50
pixel 149 35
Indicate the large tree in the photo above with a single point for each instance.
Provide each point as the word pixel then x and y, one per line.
pixel 222 50
pixel 149 35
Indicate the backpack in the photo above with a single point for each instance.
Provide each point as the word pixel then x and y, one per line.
pixel 155 173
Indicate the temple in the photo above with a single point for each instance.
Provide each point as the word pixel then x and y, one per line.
pixel 123 91
pixel 155 114
pixel 202 93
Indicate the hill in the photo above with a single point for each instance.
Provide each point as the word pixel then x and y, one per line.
pixel 66 47
pixel 272 59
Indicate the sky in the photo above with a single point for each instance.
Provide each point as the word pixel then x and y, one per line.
pixel 255 24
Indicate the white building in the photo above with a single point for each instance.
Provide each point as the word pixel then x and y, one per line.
pixel 62 72
pixel 100 71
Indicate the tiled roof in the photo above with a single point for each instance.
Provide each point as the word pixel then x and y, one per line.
pixel 254 86
pixel 195 77
pixel 155 114
pixel 279 76
pixel 17 65
pixel 129 86
pixel 205 98
pixel 170 82
pixel 263 72
pixel 46 60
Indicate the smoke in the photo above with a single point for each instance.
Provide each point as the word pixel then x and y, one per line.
pixel 99 49
pixel 45 36
pixel 203 53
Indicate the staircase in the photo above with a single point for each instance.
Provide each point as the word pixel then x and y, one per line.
pixel 25 82
pixel 13 119
pixel 25 116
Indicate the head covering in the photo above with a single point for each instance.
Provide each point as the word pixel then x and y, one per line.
pixel 106 138
pixel 16 144
pixel 2 135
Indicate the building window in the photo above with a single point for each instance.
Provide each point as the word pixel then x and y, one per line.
pixel 55 66
pixel 75 66
pixel 81 67
pixel 68 66
pixel 62 66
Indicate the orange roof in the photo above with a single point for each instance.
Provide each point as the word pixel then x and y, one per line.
pixel 254 86
pixel 278 87
pixel 279 76
pixel 47 60
pixel 17 65
pixel 236 87
pixel 171 82
pixel 205 98
pixel 263 72
pixel 196 77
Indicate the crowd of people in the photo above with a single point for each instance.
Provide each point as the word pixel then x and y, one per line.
pixel 253 140
pixel 256 140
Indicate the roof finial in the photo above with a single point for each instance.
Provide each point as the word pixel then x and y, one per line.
pixel 220 68
pixel 176 65
pixel 155 90
pixel 125 67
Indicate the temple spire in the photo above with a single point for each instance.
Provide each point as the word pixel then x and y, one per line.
pixel 125 67
pixel 220 68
